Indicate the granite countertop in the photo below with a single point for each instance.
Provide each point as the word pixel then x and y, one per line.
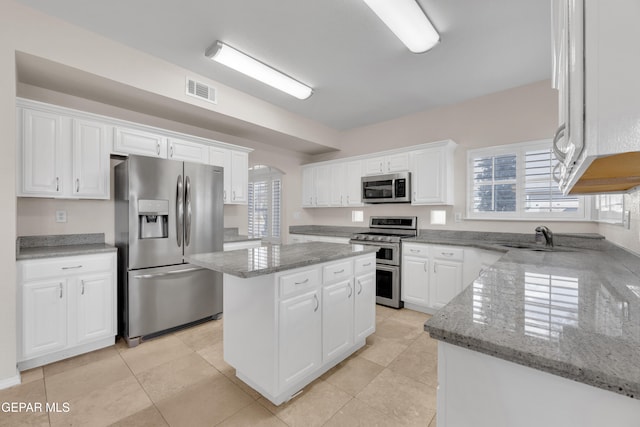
pixel 34 247
pixel 573 313
pixel 326 230
pixel 269 259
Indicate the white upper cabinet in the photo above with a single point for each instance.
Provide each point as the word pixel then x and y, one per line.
pixel 90 159
pixel 61 157
pixel 387 164
pixel 596 74
pixel 337 183
pixel 432 175
pixel 137 141
pixel 239 177
pixel 41 151
pixel 187 151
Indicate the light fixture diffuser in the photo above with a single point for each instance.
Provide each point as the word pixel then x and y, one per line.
pixel 243 63
pixel 408 22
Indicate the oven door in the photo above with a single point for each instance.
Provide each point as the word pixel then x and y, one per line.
pixel 388 286
pixel 388 254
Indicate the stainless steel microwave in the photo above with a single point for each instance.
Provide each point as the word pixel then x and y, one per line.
pixel 389 188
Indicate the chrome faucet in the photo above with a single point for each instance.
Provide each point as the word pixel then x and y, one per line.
pixel 548 235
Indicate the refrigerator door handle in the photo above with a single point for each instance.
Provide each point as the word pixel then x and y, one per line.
pixel 179 211
pixel 167 273
pixel 187 222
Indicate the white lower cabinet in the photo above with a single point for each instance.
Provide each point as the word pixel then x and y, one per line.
pixel 282 331
pixel 432 275
pixel 66 306
pixel 300 326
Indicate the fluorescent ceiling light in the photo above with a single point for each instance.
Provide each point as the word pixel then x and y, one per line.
pixel 233 58
pixel 408 22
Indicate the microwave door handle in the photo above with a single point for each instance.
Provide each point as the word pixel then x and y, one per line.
pixel 179 211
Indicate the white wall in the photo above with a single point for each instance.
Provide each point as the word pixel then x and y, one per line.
pixel 521 114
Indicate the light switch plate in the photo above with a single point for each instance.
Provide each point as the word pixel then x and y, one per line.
pixel 457 217
pixel 61 216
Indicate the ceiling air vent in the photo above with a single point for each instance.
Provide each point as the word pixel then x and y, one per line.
pixel 201 90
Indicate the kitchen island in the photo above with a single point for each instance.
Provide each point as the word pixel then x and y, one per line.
pixel 292 312
pixel 543 338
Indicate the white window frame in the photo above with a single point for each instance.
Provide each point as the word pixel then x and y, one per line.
pixel 519 150
pixel 269 175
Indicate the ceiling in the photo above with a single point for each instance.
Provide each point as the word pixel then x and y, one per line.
pixel 361 73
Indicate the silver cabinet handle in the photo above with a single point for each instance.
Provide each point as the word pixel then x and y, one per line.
pixel 350 291
pixel 234 195
pixel 57 183
pixel 446 253
pixel 339 272
pixel 170 151
pixel 158 148
pixel 187 203
pixel 60 290
pixel 555 174
pixel 82 292
pixel 366 265
pixel 72 268
pixel 303 282
pixel 380 166
pixel 435 269
pixel 389 165
pixel 224 195
pixel 360 283
pixel 415 251
pixel 317 302
pixel 77 185
pixel 425 267
pixel 556 139
pixel 168 273
pixel 179 211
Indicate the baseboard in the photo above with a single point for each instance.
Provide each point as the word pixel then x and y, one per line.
pixel 11 381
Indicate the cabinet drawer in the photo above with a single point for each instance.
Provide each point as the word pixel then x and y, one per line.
pixel 365 264
pixel 300 280
pixel 337 271
pixel 415 250
pixel 447 252
pixel 56 267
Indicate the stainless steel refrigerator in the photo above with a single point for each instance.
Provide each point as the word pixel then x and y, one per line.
pixel 165 210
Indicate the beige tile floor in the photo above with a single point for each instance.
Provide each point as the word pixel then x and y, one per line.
pixel 182 380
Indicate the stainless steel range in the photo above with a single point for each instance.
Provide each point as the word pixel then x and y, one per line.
pixel 386 233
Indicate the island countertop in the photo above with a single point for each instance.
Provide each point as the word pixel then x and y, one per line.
pixel 269 259
pixel 575 314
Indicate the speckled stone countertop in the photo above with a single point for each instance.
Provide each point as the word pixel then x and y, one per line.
pixel 326 230
pixel 269 259
pixel 231 235
pixel 33 247
pixel 573 312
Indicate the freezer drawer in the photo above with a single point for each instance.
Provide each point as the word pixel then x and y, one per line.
pixel 167 297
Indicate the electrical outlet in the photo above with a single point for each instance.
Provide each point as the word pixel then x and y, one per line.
pixel 458 217
pixel 626 220
pixel 61 216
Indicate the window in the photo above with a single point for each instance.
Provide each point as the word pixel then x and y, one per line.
pixel 264 205
pixel 608 208
pixel 516 181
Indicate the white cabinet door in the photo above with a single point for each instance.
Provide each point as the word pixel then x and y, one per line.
pixel 44 317
pixel 353 186
pixel 239 177
pixel 219 156
pixel 135 141
pixel 94 296
pixel 91 169
pixel 337 319
pixel 415 280
pixel 308 186
pixel 397 163
pixel 446 282
pixel 428 177
pixel 188 151
pixel 300 347
pixel 323 185
pixel 365 306
pixel 41 152
pixel 374 166
pixel 337 195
